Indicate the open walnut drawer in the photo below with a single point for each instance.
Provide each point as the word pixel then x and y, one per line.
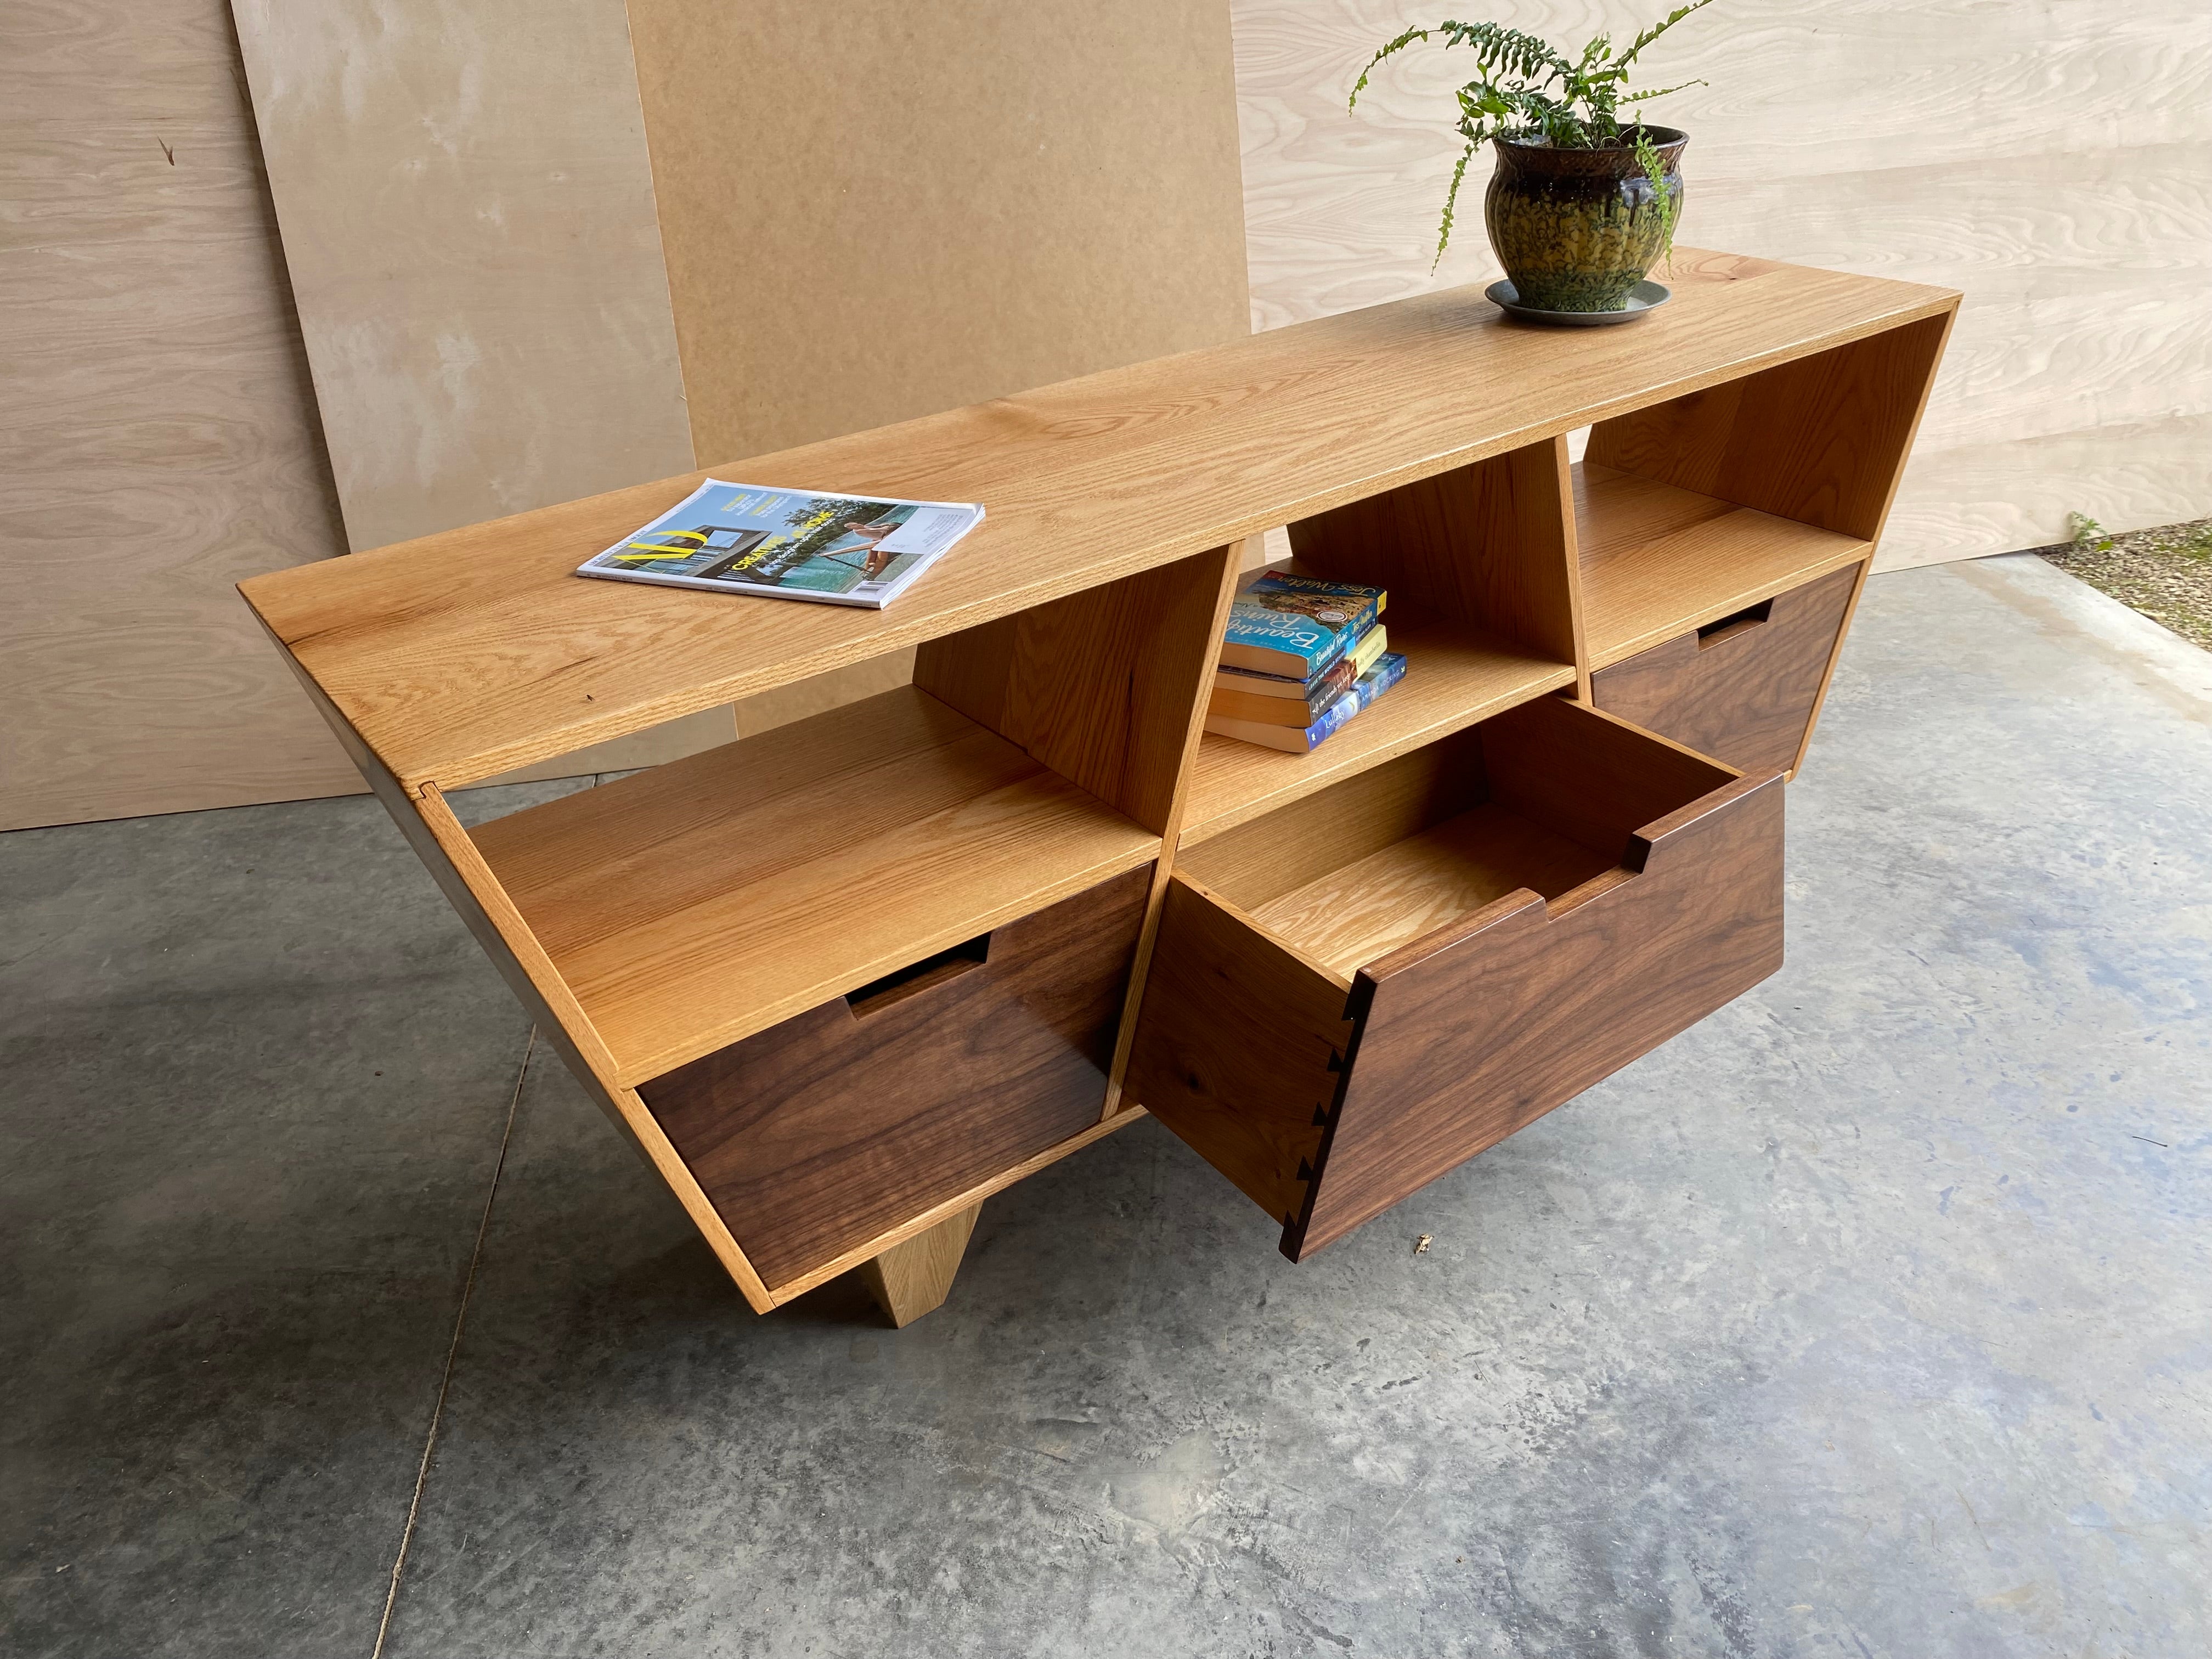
pixel 1355 993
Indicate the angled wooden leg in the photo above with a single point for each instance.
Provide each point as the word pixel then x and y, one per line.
pixel 910 1279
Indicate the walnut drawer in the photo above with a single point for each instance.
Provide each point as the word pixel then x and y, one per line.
pixel 821 1133
pixel 1742 689
pixel 1354 995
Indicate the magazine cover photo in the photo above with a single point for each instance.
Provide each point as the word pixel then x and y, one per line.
pixel 785 544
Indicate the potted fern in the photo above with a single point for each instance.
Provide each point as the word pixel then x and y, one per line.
pixel 1582 204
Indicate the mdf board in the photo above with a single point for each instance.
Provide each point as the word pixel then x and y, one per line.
pixel 2044 159
pixel 157 423
pixel 874 210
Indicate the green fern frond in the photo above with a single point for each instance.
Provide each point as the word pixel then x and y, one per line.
pixel 1451 201
pixel 1661 91
pixel 1657 29
pixel 1524 89
pixel 1655 170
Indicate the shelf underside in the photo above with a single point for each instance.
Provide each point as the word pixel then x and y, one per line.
pixel 1658 562
pixel 697 903
pixel 1454 676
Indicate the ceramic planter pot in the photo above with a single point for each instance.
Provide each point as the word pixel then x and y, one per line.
pixel 1576 229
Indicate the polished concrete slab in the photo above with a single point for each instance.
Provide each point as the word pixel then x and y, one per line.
pixel 1868 1318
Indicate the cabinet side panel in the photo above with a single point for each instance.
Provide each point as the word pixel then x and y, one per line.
pixel 476 894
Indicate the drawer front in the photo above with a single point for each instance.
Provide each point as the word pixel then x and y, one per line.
pixel 1742 690
pixel 822 1133
pixel 1327 1097
pixel 1481 1028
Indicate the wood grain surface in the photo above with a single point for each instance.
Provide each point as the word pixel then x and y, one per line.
pixel 821 1133
pixel 1105 687
pixel 914 1277
pixel 464 655
pixel 1487 544
pixel 1745 696
pixel 2046 160
pixel 158 426
pixel 1370 907
pixel 456 865
pixel 468 219
pixel 1590 775
pixel 1818 440
pixel 1267 856
pixel 696 904
pixel 1658 562
pixel 1238 1045
pixel 1477 1030
pixel 1456 675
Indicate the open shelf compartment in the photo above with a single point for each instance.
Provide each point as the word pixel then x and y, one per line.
pixel 1478 565
pixel 1658 562
pixel 694 904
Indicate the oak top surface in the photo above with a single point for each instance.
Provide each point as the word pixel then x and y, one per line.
pixel 462 654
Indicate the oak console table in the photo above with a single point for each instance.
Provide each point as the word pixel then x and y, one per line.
pixel 842 980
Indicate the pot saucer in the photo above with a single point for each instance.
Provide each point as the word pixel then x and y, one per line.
pixel 1646 296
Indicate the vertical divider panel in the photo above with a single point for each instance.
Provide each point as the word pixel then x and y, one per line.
pixel 1108 687
pixel 1491 543
pixel 1231 561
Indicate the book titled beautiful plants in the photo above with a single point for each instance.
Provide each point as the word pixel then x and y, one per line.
pixel 1389 670
pixel 1296 626
pixel 1239 693
pixel 788 543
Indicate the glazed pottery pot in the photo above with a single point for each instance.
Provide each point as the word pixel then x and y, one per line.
pixel 1576 229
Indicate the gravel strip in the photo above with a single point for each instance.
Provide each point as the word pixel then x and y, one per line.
pixel 2166 573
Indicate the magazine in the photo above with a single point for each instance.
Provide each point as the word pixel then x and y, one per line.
pixel 788 543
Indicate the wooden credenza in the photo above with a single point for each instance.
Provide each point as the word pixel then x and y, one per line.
pixel 841 980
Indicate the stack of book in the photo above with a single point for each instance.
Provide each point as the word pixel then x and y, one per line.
pixel 1300 658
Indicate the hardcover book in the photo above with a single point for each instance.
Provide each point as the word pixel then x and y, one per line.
pixel 1296 626
pixel 1242 696
pixel 788 543
pixel 1386 673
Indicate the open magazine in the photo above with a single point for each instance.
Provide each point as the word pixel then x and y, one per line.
pixel 788 543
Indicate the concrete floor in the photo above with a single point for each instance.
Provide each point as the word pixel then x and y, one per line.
pixel 1871 1317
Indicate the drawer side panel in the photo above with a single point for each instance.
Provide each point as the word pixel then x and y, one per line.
pixel 1239 1048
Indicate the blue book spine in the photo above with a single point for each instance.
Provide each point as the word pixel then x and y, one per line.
pixel 1389 668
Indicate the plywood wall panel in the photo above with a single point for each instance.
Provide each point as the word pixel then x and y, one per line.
pixel 2044 159
pixel 156 425
pixel 469 222
pixel 873 210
